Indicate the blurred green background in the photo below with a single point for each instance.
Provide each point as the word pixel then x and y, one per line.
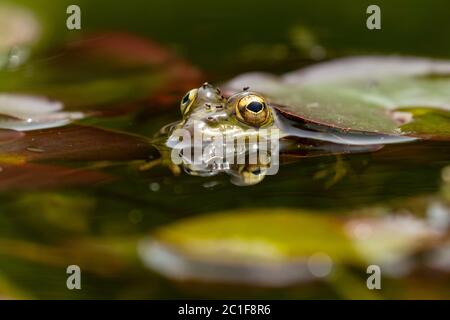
pixel 225 36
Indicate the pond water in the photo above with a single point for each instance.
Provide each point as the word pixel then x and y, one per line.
pixel 82 185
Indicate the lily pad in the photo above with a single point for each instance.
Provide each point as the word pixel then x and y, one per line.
pixel 361 93
pixel 103 70
pixel 265 247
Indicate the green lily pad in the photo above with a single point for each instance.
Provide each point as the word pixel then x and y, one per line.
pixel 363 94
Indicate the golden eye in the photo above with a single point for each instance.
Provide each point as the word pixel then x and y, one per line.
pixel 187 101
pixel 252 109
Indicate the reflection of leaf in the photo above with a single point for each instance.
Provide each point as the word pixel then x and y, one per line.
pixel 359 93
pixel 7 135
pixel 77 143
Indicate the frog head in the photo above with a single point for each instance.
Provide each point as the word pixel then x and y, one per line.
pixel 218 134
pixel 241 111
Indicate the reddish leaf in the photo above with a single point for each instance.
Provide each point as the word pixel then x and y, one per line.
pixel 77 143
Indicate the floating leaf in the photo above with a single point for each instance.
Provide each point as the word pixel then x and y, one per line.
pixel 77 143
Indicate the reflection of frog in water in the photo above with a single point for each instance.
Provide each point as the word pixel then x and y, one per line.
pixel 200 142
pixel 219 134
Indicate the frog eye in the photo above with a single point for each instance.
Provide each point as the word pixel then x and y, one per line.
pixel 187 100
pixel 252 109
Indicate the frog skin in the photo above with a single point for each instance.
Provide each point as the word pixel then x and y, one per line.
pixel 244 115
